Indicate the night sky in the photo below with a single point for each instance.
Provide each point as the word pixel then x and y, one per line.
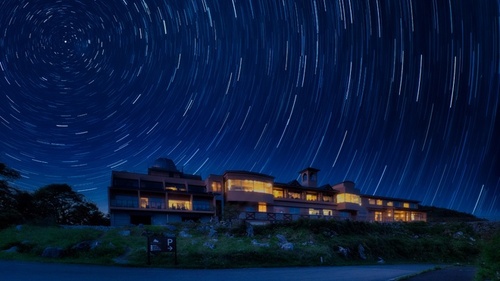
pixel 401 97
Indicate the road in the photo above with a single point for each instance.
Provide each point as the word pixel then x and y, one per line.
pixel 13 270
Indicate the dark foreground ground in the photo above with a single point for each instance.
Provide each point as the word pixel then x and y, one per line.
pixel 455 273
pixel 12 270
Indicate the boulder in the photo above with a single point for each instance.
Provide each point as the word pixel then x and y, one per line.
pixel 281 239
pixel 250 232
pixel 361 251
pixel 209 245
pixel 212 233
pixel 184 234
pixel 52 252
pixel 380 260
pixel 344 251
pixel 82 246
pixel 13 249
pixel 287 246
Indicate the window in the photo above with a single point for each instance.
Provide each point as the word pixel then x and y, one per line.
pixel 125 183
pixel 327 198
pixel 371 201
pixel 378 216
pixel 294 211
pixel 327 212
pixel 152 203
pixel 390 204
pixel 380 202
pixel 314 211
pixel 216 186
pixel 249 186
pixel 151 185
pixel 294 195
pixel 262 207
pixel 312 197
pixel 179 205
pixel 278 193
pixel 406 205
pixel 349 198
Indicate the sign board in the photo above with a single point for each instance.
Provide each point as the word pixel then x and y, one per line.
pixel 158 244
pixel 162 244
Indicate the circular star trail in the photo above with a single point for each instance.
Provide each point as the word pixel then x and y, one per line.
pixel 400 97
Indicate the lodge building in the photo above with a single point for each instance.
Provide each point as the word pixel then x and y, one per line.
pixel 166 195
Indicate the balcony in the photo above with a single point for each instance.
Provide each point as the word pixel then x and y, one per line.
pixel 280 217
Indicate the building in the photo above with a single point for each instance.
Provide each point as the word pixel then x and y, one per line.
pixel 168 195
pixel 163 195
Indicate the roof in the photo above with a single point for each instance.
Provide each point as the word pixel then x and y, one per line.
pixel 388 198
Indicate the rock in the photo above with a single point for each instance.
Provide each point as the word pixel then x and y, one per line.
pixel 458 235
pixel 281 239
pixel 171 227
pixel 258 244
pixel 184 234
pixel 94 244
pixel 212 233
pixel 344 251
pixel 11 250
pixel 361 251
pixel 380 260
pixel 287 246
pixel 52 252
pixel 125 233
pixel 82 246
pixel 250 232
pixel 209 245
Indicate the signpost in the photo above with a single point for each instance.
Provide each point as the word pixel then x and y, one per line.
pixel 160 244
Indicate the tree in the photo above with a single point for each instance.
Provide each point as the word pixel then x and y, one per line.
pixel 8 201
pixel 59 204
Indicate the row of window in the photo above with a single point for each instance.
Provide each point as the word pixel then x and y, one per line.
pixel 380 202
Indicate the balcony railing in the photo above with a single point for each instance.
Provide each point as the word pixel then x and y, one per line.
pixel 277 217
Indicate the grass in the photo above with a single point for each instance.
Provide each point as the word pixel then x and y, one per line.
pixel 315 243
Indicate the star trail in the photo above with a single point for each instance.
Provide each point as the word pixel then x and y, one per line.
pixel 400 97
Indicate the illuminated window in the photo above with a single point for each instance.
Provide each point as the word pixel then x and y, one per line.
pixel 179 205
pixel 390 204
pixel 378 216
pixel 348 198
pixel 327 198
pixel 216 186
pixel 380 202
pixel 406 205
pixel 249 186
pixel 144 202
pixel 371 201
pixel 327 212
pixel 278 193
pixel 262 207
pixel 312 197
pixel 314 211
pixel 294 195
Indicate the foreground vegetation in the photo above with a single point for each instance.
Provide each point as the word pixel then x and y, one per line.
pixel 308 243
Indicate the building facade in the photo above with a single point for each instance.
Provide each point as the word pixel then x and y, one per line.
pixel 168 195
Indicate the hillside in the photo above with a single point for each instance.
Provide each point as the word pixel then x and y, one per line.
pixel 302 243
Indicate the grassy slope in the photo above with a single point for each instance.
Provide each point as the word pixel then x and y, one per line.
pixel 315 242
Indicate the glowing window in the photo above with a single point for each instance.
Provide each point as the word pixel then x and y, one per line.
pixel 179 205
pixel 294 195
pixel 249 186
pixel 390 204
pixel 380 202
pixel 262 207
pixel 327 212
pixel 314 211
pixel 371 201
pixel 278 193
pixel 327 198
pixel 406 205
pixel 378 216
pixel 349 198
pixel 311 196
pixel 216 186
